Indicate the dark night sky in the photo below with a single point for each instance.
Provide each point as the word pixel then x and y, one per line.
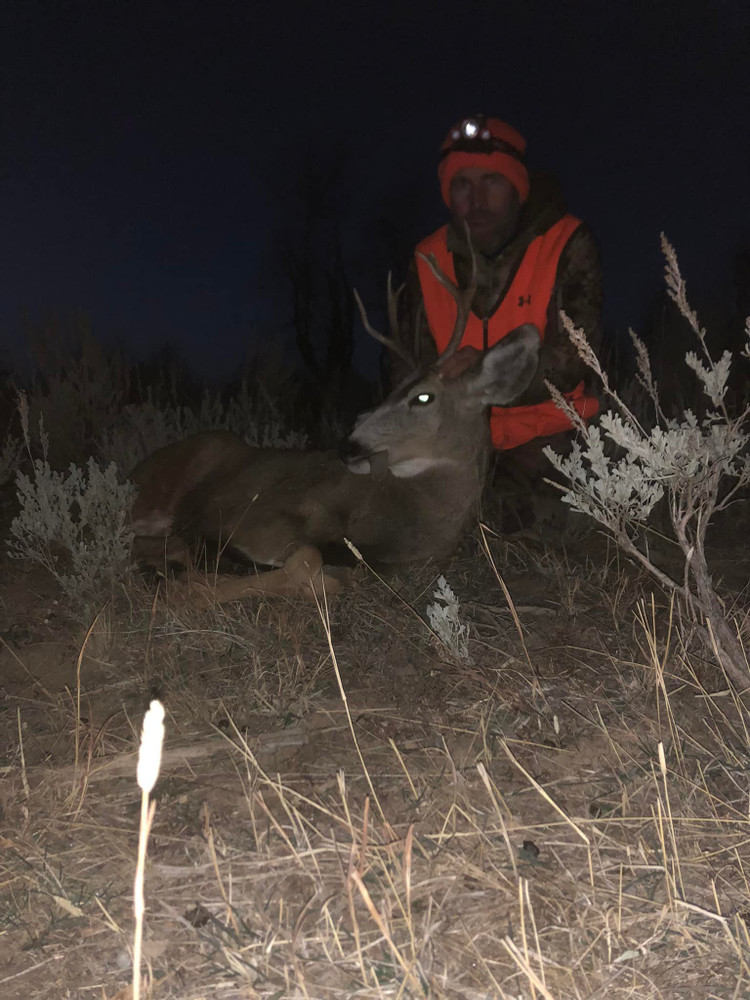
pixel 150 153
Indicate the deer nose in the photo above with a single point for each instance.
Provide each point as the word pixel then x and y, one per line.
pixel 350 450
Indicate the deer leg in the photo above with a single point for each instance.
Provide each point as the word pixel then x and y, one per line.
pixel 159 552
pixel 301 576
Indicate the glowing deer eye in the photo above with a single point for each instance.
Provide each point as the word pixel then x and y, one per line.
pixel 422 399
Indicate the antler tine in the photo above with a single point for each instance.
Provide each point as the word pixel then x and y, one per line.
pixel 392 343
pixel 463 296
pixel 472 251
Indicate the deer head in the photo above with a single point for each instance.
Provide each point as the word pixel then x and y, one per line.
pixel 438 416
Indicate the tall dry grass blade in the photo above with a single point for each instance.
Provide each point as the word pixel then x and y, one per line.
pixel 373 911
pixel 545 794
pixel 322 606
pixel 508 598
pixel 24 778
pixel 208 836
pixel 494 795
pixel 534 981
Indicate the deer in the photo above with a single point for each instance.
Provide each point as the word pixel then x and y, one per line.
pixel 403 491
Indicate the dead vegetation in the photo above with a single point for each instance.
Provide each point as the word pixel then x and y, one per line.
pixel 344 811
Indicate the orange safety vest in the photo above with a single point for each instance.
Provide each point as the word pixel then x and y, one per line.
pixel 526 301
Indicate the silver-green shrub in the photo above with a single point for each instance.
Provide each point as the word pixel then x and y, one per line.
pixel 76 525
pixel 700 465
pixel 445 620
pixel 142 428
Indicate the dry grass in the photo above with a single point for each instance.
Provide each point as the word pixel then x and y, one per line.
pixel 567 818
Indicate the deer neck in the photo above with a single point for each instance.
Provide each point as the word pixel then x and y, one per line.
pixel 448 484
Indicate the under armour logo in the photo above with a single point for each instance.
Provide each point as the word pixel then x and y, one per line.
pixel 524 300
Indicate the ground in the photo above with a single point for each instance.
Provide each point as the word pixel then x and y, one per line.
pixel 348 809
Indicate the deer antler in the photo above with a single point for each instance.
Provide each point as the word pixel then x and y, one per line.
pixel 463 296
pixel 393 343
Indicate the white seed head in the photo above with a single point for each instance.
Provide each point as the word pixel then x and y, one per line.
pixel 152 737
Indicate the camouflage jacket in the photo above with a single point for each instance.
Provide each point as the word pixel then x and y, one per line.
pixel 577 290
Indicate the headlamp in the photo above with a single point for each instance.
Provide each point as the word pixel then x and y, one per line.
pixel 471 128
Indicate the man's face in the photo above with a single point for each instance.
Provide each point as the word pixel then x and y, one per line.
pixel 488 203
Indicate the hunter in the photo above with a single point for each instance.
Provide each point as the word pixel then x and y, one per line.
pixel 533 259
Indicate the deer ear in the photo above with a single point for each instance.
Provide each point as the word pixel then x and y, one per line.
pixel 509 366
